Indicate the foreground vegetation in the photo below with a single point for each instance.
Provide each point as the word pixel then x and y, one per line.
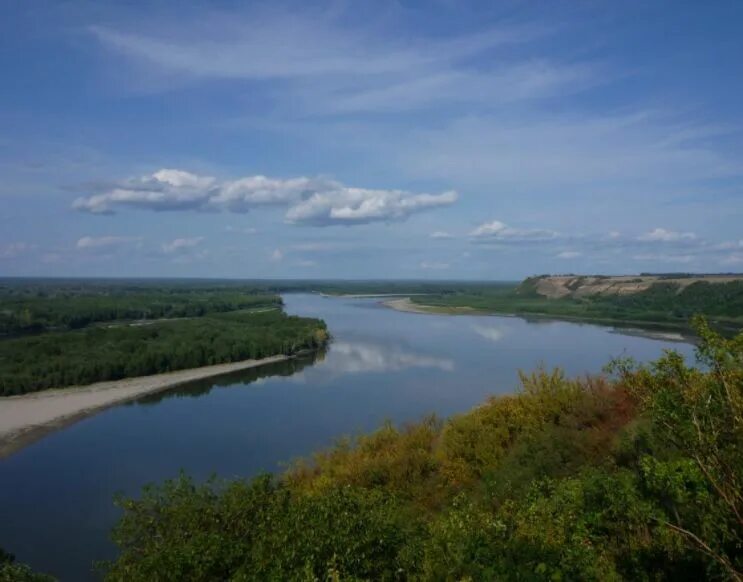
pixel 662 303
pixel 13 571
pixel 638 476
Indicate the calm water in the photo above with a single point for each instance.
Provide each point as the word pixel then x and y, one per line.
pixel 55 495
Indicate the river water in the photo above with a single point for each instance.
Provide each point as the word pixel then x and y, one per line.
pixel 56 495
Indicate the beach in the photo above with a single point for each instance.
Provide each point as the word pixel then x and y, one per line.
pixel 28 417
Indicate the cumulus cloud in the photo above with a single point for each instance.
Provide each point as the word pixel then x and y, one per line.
pixel 163 190
pixel 663 235
pixel 91 242
pixel 501 232
pixel 344 205
pixel 181 244
pixel 311 201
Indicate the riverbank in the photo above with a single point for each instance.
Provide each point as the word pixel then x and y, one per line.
pixel 406 305
pixel 652 330
pixel 26 418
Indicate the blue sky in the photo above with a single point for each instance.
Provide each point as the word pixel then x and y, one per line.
pixel 442 139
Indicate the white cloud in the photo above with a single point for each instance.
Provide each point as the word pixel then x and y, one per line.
pixel 433 266
pixel 181 244
pixel 663 235
pixel 276 255
pixel 306 263
pixel 568 254
pixel 441 234
pixel 12 250
pixel 91 242
pixel 575 158
pixel 498 231
pixel 359 206
pixel 312 201
pixel 163 190
pixel 326 65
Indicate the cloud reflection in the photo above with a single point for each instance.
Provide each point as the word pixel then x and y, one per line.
pixel 490 333
pixel 357 357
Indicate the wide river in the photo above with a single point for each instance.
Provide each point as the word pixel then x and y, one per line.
pixel 56 495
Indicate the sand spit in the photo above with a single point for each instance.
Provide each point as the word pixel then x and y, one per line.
pixel 28 417
pixel 406 305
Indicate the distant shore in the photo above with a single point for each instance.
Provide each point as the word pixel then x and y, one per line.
pixel 26 418
pixel 650 330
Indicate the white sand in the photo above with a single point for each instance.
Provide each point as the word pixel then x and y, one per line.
pixel 406 305
pixel 28 417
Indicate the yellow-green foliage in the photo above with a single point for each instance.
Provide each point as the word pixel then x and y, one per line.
pixel 396 460
pixel 635 478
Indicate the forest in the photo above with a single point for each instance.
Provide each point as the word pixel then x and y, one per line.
pixel 59 305
pixel 95 354
pixel 636 474
pixel 61 332
pixel 662 303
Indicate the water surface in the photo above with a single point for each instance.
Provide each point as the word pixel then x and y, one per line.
pixel 55 495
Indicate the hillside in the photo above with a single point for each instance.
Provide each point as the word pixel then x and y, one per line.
pixel 668 301
pixel 576 286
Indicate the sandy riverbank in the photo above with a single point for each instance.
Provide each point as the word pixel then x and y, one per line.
pixel 28 417
pixel 406 305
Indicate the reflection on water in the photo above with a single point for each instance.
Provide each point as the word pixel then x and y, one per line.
pixel 198 388
pixel 55 495
pixel 357 357
pixel 489 332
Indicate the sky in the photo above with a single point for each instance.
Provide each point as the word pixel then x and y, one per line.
pixel 385 139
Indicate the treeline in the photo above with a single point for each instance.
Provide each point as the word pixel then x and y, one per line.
pixel 701 297
pixel 637 477
pixel 94 354
pixel 65 309
pixel 662 302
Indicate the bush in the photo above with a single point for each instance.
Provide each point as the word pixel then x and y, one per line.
pixel 635 478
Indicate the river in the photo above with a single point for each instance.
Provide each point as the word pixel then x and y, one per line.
pixel 56 495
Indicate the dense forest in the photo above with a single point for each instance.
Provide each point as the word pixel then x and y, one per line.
pixel 93 354
pixel 634 475
pixel 40 308
pixel 665 303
